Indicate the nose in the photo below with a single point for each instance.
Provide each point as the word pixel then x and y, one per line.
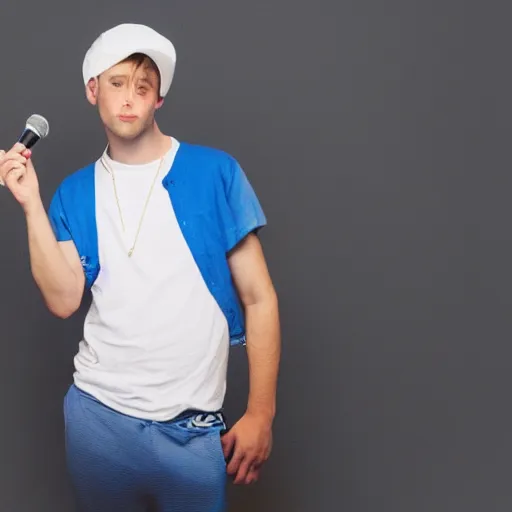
pixel 129 96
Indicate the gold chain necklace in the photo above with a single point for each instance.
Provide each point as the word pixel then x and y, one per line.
pixel 111 172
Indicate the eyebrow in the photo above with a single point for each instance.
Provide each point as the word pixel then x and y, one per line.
pixel 143 79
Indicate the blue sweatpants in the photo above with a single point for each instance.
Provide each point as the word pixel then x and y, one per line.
pixel 119 463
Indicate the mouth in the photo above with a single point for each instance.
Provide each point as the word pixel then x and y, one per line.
pixel 127 118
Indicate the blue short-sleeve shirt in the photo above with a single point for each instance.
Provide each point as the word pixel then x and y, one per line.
pixel 215 206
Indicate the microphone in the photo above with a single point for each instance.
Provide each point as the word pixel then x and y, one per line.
pixel 36 128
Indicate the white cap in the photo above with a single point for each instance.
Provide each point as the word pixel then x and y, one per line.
pixel 114 45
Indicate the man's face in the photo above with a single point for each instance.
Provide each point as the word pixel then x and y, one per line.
pixel 127 97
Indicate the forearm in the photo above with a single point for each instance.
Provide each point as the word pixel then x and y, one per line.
pixel 50 269
pixel 264 352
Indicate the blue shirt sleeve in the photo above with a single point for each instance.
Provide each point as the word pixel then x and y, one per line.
pixel 246 212
pixel 58 218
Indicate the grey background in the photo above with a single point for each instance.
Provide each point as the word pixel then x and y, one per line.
pixel 376 136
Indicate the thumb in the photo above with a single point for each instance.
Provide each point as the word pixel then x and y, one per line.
pixel 228 442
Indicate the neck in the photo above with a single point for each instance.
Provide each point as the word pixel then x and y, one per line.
pixel 151 145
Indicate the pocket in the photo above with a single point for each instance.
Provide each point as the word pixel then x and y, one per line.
pixel 217 447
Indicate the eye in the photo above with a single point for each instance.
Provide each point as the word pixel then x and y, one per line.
pixel 116 84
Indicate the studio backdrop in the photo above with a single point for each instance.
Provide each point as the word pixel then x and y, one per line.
pixel 376 135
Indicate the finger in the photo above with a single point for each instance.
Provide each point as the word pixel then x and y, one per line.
pixel 243 470
pixel 14 173
pixel 12 157
pixel 15 153
pixel 252 475
pixel 16 170
pixel 235 462
pixel 27 153
pixel 8 166
pixel 228 442
pixel 18 148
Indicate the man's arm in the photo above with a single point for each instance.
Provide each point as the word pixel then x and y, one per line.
pixel 251 437
pixel 55 266
pixel 256 291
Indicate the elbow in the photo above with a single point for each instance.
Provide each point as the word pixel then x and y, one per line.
pixel 263 299
pixel 62 312
pixel 63 309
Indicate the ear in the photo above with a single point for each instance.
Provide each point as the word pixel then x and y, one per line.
pixel 91 91
pixel 159 103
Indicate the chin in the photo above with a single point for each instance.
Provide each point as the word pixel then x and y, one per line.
pixel 128 132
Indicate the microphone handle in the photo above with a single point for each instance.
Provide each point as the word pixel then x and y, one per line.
pixel 29 138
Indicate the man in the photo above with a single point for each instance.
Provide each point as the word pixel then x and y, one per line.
pixel 164 234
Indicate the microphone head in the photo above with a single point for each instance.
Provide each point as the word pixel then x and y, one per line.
pixel 38 124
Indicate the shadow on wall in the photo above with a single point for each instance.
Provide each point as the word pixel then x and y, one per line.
pixel 260 497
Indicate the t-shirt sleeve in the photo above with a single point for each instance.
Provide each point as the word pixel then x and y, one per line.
pixel 58 218
pixel 246 212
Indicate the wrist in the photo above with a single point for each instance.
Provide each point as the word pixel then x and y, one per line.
pixel 33 207
pixel 265 414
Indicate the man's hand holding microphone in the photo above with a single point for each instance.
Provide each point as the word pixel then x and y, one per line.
pixel 17 172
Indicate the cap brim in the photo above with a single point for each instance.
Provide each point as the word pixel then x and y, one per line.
pixel 163 61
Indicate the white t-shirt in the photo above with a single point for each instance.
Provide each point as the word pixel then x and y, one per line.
pixel 155 340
